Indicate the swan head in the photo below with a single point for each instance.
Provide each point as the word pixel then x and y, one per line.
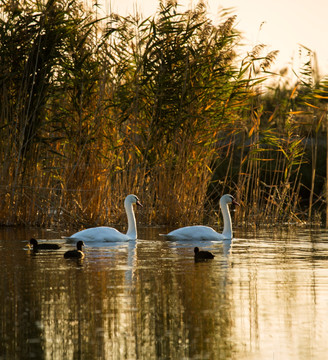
pixel 228 199
pixel 132 199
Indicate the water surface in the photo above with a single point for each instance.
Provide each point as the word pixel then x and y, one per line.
pixel 264 296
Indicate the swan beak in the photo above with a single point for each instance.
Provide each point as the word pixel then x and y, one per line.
pixel 235 202
pixel 139 203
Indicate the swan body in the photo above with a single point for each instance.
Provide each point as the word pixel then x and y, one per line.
pixel 76 254
pixel 200 232
pixel 105 233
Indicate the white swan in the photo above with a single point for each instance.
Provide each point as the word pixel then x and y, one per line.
pixel 105 233
pixel 200 232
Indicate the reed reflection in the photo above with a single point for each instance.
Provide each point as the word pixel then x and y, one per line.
pixel 149 299
pixel 167 307
pixel 276 304
pixel 183 305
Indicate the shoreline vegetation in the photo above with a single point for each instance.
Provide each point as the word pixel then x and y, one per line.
pixel 167 108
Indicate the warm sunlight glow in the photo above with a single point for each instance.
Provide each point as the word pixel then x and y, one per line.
pixel 281 25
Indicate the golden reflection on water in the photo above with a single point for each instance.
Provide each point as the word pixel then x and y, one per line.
pixel 265 297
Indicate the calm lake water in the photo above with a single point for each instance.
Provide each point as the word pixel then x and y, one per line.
pixel 264 296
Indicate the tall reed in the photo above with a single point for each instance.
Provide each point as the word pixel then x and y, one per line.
pixel 164 107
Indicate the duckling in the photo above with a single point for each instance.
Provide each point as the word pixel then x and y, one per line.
pixel 202 255
pixel 36 246
pixel 76 254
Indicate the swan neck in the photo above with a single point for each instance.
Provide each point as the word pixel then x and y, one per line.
pixel 132 228
pixel 227 225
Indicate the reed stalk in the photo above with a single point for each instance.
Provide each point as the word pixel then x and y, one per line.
pixel 162 107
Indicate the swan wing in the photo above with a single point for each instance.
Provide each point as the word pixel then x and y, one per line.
pixel 198 232
pixel 101 233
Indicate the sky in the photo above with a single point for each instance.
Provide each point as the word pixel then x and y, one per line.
pixel 282 25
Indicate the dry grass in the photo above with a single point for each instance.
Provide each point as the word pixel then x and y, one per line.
pixel 156 108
